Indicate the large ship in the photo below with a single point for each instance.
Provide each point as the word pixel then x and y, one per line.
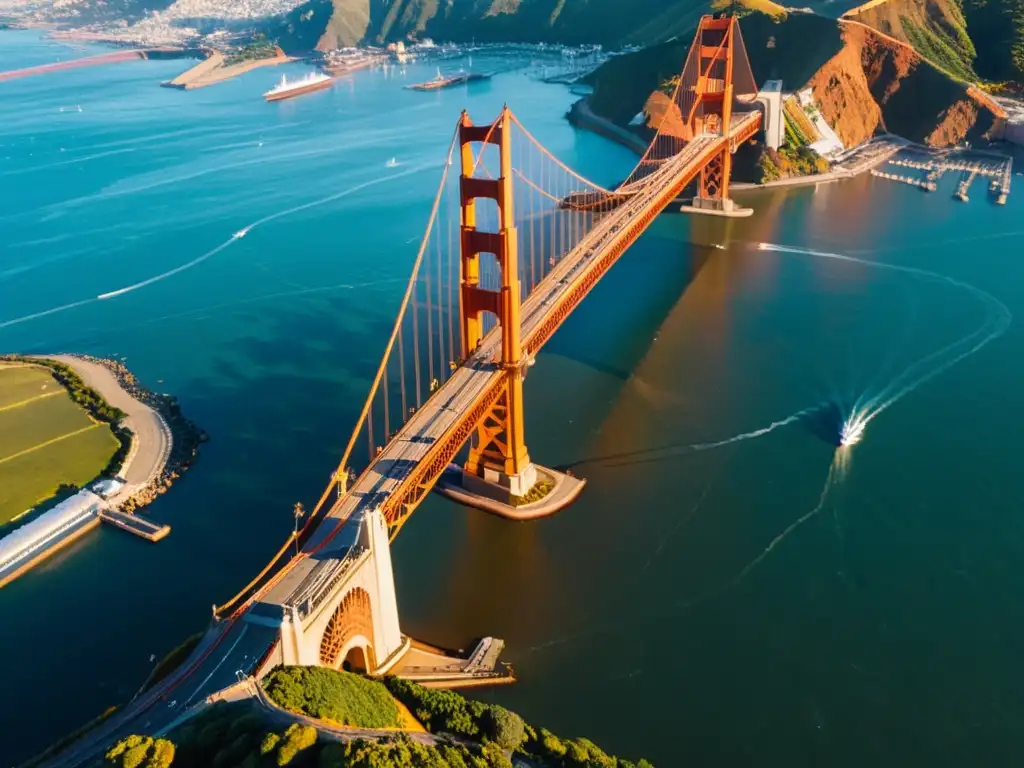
pixel 440 81
pixel 286 89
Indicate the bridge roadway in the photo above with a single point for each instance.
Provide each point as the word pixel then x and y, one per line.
pixel 234 645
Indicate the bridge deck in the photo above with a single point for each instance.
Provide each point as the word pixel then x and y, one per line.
pixel 478 374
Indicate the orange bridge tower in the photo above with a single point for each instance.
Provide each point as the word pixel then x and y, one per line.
pixel 716 47
pixel 497 453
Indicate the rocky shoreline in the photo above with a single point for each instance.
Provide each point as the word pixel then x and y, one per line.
pixel 185 435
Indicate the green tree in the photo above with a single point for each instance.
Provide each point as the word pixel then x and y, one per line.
pixel 296 738
pixel 503 727
pixel 141 752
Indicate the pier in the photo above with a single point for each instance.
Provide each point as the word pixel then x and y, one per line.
pixel 924 184
pixel 134 524
pixel 964 186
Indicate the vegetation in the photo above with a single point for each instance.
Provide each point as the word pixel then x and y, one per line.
pixel 539 490
pixel 229 735
pixel 141 752
pixel 402 752
pixel 467 734
pixel 949 48
pixel 447 712
pixel 258 48
pixel 336 696
pixel 172 660
pixel 997 30
pixel 798 124
pixel 51 442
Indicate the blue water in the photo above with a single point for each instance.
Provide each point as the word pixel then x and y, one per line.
pixel 885 629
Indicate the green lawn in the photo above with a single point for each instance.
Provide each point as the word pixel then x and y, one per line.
pixel 19 383
pixel 44 442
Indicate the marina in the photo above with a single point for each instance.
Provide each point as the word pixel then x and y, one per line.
pixel 970 164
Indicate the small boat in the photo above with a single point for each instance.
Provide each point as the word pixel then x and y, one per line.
pixel 314 81
pixel 392 163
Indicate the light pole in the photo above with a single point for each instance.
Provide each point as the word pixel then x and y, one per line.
pixel 298 512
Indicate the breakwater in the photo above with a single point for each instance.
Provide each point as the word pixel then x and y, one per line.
pixel 185 437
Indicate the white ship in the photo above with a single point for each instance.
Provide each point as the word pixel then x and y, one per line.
pixel 286 89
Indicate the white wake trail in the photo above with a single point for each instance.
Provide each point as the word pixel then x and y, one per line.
pixel 248 228
pixel 754 433
pixel 45 312
pixel 998 318
pixel 200 259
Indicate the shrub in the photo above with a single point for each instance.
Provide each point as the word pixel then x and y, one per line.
pixel 327 694
pixel 296 738
pixel 503 727
pixel 439 711
pixel 141 752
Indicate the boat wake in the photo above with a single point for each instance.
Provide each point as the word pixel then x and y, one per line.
pixel 865 409
pixel 214 251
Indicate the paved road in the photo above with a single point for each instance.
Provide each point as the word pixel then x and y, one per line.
pixel 152 437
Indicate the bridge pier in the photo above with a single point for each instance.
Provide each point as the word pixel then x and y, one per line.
pixel 710 206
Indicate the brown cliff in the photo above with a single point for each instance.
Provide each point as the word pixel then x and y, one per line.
pixel 876 83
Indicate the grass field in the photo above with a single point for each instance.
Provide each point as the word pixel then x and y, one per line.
pixel 46 440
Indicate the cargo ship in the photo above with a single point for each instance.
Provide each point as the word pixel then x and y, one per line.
pixel 314 81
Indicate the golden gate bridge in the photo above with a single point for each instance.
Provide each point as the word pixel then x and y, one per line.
pixel 514 242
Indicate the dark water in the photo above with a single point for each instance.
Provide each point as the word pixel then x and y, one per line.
pixel 675 611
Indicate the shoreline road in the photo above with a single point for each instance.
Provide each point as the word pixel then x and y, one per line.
pixel 151 437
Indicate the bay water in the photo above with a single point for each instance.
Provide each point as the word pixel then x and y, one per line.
pixel 729 589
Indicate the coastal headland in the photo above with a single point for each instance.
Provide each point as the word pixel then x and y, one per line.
pixel 152 445
pixel 216 69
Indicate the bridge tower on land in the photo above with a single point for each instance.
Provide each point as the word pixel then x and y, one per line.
pixel 498 449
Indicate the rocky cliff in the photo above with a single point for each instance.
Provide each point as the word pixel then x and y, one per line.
pixel 876 84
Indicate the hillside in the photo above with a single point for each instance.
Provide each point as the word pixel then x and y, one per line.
pixel 864 82
pixel 613 23
pixel 936 29
pixel 458 732
pixel 972 40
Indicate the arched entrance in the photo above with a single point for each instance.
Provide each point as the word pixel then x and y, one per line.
pixel 355 660
pixel 352 618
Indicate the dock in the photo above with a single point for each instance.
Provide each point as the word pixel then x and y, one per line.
pixel 964 186
pixel 1003 190
pixel 924 184
pixel 134 524
pixel 434 667
pixel 970 164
